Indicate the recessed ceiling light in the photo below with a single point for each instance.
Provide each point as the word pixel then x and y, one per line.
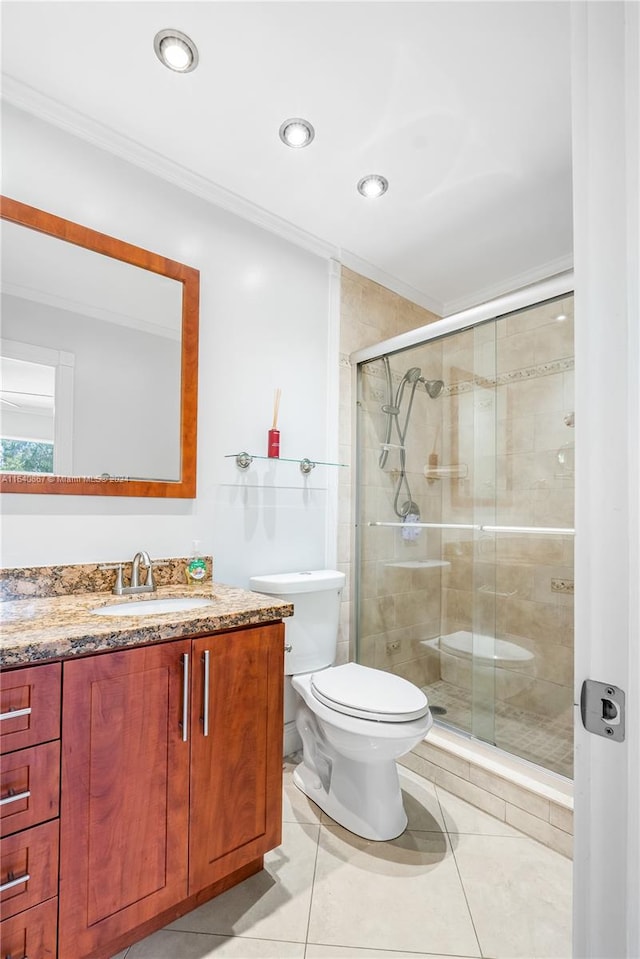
pixel 296 132
pixel 561 316
pixel 176 50
pixel 373 185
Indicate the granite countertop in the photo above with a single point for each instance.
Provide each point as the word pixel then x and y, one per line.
pixel 44 629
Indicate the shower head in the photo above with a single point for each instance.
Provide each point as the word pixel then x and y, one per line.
pixel 412 376
pixel 433 387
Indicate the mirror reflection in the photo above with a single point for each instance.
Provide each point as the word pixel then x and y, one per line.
pixel 91 356
pixel 99 362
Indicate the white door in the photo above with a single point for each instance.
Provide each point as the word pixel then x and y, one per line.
pixel 606 139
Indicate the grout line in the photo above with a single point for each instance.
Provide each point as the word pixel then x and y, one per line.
pixel 453 853
pixel 218 935
pixel 464 893
pixel 313 883
pixel 400 952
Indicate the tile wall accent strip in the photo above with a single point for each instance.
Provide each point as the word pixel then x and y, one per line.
pixel 562 586
pixel 502 379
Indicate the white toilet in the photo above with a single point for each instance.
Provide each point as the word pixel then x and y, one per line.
pixel 354 721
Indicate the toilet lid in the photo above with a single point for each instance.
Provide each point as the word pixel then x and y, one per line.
pixel 369 693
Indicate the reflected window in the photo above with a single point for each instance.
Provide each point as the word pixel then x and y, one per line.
pixel 36 389
pixel 27 397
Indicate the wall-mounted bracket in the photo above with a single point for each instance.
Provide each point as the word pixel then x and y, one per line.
pixel 244 460
pixel 602 706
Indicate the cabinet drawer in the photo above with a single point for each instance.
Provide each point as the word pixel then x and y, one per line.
pixel 29 706
pixel 29 787
pixel 28 868
pixel 32 933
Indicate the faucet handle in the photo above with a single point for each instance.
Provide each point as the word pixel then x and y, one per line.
pixel 150 581
pixel 119 585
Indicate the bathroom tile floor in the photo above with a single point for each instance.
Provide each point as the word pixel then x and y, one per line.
pixel 456 883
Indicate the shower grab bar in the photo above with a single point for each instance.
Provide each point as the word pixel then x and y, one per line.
pixel 544 530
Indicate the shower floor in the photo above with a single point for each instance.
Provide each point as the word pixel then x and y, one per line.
pixel 545 742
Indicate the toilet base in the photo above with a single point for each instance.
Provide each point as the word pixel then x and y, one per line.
pixel 374 790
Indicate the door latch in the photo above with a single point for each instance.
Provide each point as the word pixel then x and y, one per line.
pixel 602 709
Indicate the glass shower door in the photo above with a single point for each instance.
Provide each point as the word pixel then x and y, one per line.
pixel 464 535
pixel 466 690
pixel 426 483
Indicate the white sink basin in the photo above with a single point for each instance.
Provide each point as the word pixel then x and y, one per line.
pixel 153 607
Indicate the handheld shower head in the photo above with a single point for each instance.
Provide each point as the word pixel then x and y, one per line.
pixel 413 374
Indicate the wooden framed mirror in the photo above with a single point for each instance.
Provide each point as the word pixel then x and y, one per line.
pixel 99 356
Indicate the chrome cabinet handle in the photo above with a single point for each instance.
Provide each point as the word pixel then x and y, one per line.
pixel 15 882
pixel 185 697
pixel 14 797
pixel 205 707
pixel 13 713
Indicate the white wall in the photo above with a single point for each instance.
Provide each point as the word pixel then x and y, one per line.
pixel 120 376
pixel 264 323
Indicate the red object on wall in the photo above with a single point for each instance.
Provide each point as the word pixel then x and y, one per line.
pixel 273 447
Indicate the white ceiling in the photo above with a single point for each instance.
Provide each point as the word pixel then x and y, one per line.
pixel 463 106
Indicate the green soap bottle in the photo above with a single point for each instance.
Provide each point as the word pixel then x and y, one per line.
pixel 196 568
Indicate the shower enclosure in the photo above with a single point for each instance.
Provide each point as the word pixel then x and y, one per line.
pixel 464 547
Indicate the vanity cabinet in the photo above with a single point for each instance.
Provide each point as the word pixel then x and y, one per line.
pixel 29 806
pixel 171 781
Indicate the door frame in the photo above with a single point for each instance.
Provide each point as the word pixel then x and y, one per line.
pixel 605 60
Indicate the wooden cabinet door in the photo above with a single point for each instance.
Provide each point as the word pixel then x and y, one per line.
pixel 236 763
pixel 125 793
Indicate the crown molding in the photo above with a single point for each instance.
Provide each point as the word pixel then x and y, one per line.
pixel 544 271
pixel 358 265
pixel 45 108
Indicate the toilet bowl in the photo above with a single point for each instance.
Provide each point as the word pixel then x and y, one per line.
pixel 354 721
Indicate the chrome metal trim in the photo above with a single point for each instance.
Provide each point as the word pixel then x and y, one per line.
pixel 15 882
pixel 15 797
pixel 543 530
pixel 205 694
pixel 185 697
pixel 554 286
pixel 14 713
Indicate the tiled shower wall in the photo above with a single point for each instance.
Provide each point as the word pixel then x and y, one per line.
pixel 401 569
pixel 369 314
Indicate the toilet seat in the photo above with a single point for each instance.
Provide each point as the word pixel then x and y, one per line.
pixel 367 693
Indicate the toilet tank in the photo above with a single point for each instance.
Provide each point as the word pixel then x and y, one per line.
pixel 312 631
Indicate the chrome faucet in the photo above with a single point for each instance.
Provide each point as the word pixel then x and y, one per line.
pixel 149 585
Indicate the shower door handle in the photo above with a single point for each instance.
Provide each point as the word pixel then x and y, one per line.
pixel 602 706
